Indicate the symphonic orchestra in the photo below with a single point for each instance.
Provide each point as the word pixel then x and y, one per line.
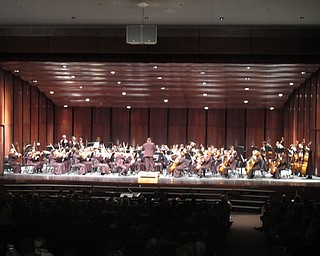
pixel 190 160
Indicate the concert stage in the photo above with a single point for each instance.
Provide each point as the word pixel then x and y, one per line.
pixel 247 194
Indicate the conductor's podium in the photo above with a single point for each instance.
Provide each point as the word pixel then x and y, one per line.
pixel 148 177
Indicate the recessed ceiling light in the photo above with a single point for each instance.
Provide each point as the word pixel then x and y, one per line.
pixel 248 67
pixel 16 71
pixel 51 92
pixel 80 87
pixel 206 108
pixel 245 101
pixel 72 77
pixel 146 18
pixel 112 72
pixel 123 93
pixel 303 72
pixel 247 89
pixel 221 18
pixel 271 108
pixel 119 82
pixel 165 100
pixel 301 18
pixel 128 107
pixel 87 99
pixel 155 67
pixel 65 106
pixel 291 83
pixel 35 81
pixel 280 94
pixel 247 78
pixel 204 83
pixel 202 73
pixel 73 18
pixel 205 94
pixel 64 66
pixel 159 77
pixel 163 88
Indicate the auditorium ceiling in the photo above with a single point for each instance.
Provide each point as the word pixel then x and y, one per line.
pixel 174 85
pixel 161 85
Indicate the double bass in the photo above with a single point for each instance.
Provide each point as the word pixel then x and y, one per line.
pixel 305 160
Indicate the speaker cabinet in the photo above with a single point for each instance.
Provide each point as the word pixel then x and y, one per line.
pixel 141 34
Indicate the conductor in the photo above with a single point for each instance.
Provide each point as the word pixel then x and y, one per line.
pixel 149 148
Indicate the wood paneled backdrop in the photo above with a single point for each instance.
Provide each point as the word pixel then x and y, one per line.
pixel 27 116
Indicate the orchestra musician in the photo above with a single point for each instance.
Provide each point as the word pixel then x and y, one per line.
pixel 254 163
pixel 179 164
pixel 203 163
pixel 77 160
pixel 14 158
pixel 216 160
pixel 55 162
pixel 100 159
pixel 120 164
pixel 64 142
pixel 279 163
pixel 33 158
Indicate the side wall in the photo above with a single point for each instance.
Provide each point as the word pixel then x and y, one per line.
pixel 301 118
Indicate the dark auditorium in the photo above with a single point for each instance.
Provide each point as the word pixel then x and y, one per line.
pixel 159 128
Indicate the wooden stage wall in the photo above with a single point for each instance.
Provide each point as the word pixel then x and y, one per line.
pixel 27 115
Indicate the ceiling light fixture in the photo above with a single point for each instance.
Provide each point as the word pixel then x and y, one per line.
pixel 51 92
pixel 303 72
pixel 155 67
pixel 112 72
pixel 245 101
pixel 65 106
pixel 128 107
pixel 247 89
pixel 280 94
pixel 119 82
pixel 271 108
pixel 206 108
pixel 165 100
pixel 80 87
pixel 163 88
pixel 221 18
pixel 64 66
pixel 159 77
pixel 123 93
pixel 35 81
pixel 248 67
pixel 16 71
pixel 204 83
pixel 202 73
pixel 87 99
pixel 247 78
pixel 205 94
pixel 291 83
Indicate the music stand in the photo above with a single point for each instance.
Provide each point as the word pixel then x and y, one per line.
pixel 241 151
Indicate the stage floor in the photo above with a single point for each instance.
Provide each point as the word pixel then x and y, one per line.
pixel 185 181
